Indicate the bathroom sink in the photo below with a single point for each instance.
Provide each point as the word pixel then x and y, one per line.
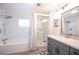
pixel 72 37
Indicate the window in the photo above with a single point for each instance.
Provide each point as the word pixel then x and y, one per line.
pixel 24 23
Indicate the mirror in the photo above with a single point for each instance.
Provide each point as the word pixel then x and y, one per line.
pixel 71 23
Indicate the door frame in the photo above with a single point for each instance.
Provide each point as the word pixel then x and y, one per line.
pixel 34 29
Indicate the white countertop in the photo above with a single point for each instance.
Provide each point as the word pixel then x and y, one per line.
pixel 68 41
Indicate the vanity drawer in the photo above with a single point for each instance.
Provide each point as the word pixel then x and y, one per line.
pixel 50 49
pixel 62 45
pixel 74 51
pixel 59 51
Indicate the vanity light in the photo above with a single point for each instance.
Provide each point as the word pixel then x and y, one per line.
pixel 75 11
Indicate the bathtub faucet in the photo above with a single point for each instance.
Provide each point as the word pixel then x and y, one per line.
pixel 4 39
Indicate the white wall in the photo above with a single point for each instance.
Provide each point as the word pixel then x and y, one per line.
pixel 14 32
pixel 52 28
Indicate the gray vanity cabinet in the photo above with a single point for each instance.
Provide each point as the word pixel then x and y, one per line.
pixel 57 48
pixel 59 51
pixel 74 51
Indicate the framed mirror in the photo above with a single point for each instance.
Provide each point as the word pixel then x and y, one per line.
pixel 70 20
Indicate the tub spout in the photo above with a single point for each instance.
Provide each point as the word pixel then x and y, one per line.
pixel 4 40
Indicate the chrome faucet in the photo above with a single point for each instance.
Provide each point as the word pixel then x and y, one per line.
pixel 68 35
pixel 4 40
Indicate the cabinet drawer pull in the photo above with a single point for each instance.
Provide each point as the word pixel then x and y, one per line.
pixel 75 53
pixel 57 50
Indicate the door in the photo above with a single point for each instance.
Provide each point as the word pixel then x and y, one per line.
pixel 42 25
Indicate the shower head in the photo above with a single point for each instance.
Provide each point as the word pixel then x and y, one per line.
pixel 8 17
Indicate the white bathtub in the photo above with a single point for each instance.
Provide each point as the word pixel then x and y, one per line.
pixel 13 47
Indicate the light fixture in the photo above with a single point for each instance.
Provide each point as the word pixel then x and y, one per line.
pixel 38 4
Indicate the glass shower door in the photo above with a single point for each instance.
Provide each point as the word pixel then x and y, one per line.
pixel 42 31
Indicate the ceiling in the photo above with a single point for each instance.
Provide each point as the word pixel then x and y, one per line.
pixel 24 7
pixel 47 7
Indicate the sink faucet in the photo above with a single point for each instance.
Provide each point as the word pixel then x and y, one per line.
pixel 68 35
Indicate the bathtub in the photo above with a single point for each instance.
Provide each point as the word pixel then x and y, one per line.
pixel 13 47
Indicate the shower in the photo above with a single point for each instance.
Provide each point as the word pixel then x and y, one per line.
pixel 41 29
pixel 3 28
